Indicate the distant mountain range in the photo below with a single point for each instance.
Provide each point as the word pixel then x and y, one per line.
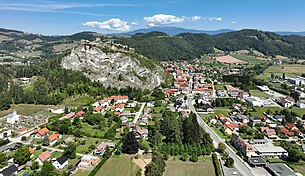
pixel 178 30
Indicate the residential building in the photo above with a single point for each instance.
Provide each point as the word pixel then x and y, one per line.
pixel 53 138
pixel 141 132
pixel 60 162
pixel 5 133
pixel 286 102
pixel 9 171
pixel 45 156
pixel 88 162
pixel 39 133
pixel 100 149
pixel 270 133
pixel 255 120
pixel 301 103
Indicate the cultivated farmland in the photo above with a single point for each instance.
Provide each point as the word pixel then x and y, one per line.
pixel 229 60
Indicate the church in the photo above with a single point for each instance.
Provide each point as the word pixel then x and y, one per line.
pixel 12 118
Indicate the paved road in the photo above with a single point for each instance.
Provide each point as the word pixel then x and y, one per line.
pixel 138 114
pixel 242 167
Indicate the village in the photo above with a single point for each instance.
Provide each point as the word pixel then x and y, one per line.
pixel 255 123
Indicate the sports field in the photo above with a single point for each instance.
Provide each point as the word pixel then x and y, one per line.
pixel 180 168
pixel 118 166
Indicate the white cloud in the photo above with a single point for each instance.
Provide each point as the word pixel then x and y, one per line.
pixel 163 19
pixel 134 23
pixel 215 19
pixel 114 24
pixel 233 22
pixel 196 18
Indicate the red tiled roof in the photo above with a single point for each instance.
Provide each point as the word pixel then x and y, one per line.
pixel 31 150
pixel 52 137
pixel 290 125
pixel 116 113
pixel 44 156
pixel 98 108
pixel 80 113
pixel 42 131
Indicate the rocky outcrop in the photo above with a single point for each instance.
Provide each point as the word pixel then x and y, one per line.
pixel 114 65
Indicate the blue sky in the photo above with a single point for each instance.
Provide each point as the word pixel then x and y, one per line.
pixel 67 17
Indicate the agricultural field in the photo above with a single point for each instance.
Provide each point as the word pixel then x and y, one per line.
pixel 293 69
pixel 206 60
pixel 180 168
pixel 81 172
pixel 249 59
pixel 229 60
pixel 119 165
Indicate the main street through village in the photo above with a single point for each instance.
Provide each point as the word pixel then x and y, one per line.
pixel 240 165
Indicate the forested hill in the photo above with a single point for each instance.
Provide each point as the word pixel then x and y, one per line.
pixel 161 46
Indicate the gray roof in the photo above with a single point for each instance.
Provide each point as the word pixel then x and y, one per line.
pixel 280 169
pixel 257 161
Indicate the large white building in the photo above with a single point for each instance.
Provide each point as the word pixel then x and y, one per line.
pixel 12 118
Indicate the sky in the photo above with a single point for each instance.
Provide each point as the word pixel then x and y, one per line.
pixel 60 17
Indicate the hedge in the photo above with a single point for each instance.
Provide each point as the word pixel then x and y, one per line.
pixel 216 165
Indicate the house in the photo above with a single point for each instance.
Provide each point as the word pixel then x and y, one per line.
pixel 286 102
pixel 301 103
pixel 277 62
pixel 9 171
pixel 98 109
pixel 255 120
pixel 207 108
pixel 132 105
pixel 119 99
pixel 41 132
pixel 88 162
pixel 150 104
pixel 141 132
pixel 67 141
pixel 100 149
pixel 120 107
pixel 286 132
pixel 116 113
pixel 45 156
pixel 53 138
pixel 31 150
pixel 268 132
pixel 230 128
pixel 124 119
pixel 80 113
pixel 68 116
pixel 12 118
pixel 5 133
pixel 60 162
pixel 242 118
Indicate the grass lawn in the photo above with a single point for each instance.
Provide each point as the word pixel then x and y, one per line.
pixel 81 172
pixel 56 154
pixel 249 59
pixel 258 93
pixel 180 168
pixel 206 60
pixel 299 111
pixel 77 101
pixel 260 110
pixel 89 141
pixel 25 109
pixel 86 128
pixel 294 68
pixel 117 166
